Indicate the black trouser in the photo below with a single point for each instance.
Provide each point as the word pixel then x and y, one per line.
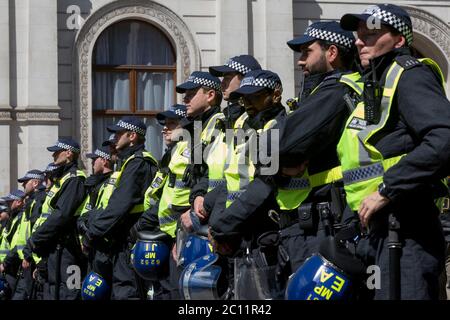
pixel 67 259
pixel 24 285
pixel 422 258
pixel 124 284
pixel 300 244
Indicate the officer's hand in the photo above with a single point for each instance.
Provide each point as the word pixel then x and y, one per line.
pixel 199 209
pixel 295 171
pixel 186 221
pixel 85 250
pixel 371 204
pixel 2 268
pixel 221 248
pixel 174 252
pixel 25 264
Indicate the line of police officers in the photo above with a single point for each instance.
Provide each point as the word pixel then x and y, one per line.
pixel 363 153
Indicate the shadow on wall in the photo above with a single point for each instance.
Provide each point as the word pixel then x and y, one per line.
pixel 14 142
pixel 69 22
pixel 304 12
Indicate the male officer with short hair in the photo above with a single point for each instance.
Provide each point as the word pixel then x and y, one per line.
pixel 15 201
pixel 308 139
pixel 54 233
pixel 109 227
pixel 35 191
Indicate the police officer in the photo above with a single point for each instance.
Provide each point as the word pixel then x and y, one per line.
pixel 393 170
pixel 232 74
pixel 55 234
pixel 15 200
pixel 202 96
pixel 101 172
pixel 170 120
pixel 260 93
pixel 32 183
pixel 308 139
pixel 108 230
pixel 39 270
pixel 149 221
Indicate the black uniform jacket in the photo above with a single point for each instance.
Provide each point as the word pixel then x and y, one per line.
pixel 232 112
pixel 419 127
pixel 115 221
pixel 62 222
pixel 239 219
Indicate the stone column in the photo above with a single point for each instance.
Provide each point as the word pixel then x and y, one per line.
pixel 232 29
pixel 273 27
pixel 34 82
pixel 5 108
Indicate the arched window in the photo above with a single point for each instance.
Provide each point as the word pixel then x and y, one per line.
pixel 134 72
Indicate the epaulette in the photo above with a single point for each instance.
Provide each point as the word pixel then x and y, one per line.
pixel 334 76
pixel 407 61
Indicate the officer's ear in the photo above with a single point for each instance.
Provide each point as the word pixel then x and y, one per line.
pixel 276 96
pixel 400 41
pixel 133 136
pixel 332 53
pixel 211 96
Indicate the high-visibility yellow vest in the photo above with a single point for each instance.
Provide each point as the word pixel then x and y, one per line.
pixel 157 184
pixel 5 244
pixel 23 231
pixel 241 169
pixel 218 153
pixel 177 194
pixel 363 166
pixel 292 194
pixel 52 195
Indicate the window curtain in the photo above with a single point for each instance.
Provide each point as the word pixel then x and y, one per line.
pixel 132 43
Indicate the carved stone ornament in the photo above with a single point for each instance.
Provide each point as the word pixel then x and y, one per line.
pixel 5 116
pixel 187 52
pixel 432 27
pixel 37 116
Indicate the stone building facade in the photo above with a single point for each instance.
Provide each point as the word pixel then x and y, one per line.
pixel 69 67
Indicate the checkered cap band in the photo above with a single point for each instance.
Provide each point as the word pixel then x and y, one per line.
pixel 180 112
pixel 239 67
pixel 51 168
pixel 297 184
pixel 205 82
pixel 67 147
pixel 13 197
pixel 363 173
pixel 102 154
pixel 34 176
pixel 260 82
pixel 131 127
pixel 395 22
pixel 329 36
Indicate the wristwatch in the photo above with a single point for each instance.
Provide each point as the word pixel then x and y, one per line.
pixel 383 190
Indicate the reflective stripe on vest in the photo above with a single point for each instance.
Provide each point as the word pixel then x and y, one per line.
pixel 23 231
pixel 218 154
pixel 240 172
pixel 47 208
pixel 5 245
pixel 157 184
pixel 353 80
pixel 362 164
pixel 138 208
pixel 178 195
pixel 292 195
pixel 53 194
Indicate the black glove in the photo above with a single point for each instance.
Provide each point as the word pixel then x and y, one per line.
pixel 41 272
pixel 27 253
